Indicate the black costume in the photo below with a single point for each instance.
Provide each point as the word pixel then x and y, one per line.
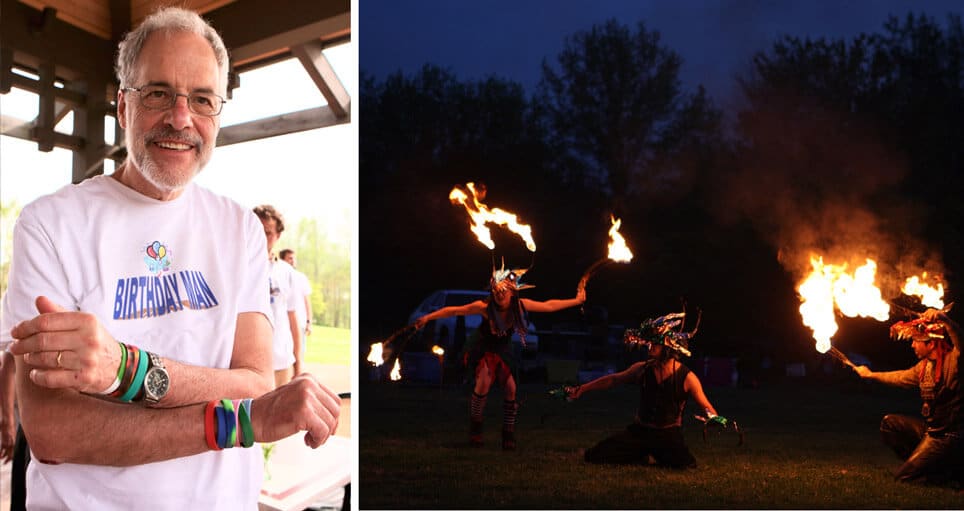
pixel 657 429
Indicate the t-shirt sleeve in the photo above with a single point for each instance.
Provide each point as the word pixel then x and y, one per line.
pixel 35 270
pixel 256 289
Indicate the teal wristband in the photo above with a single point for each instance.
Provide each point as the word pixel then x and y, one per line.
pixel 138 377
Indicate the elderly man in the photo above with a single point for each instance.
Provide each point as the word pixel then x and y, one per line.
pixel 142 337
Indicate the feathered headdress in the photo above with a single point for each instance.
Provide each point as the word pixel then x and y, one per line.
pixel 513 276
pixel 664 330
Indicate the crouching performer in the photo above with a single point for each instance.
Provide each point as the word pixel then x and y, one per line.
pixel 665 384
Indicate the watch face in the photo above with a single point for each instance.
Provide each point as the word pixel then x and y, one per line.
pixel 156 383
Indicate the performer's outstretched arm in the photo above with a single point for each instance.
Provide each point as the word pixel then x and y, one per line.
pixel 555 305
pixel 476 307
pixel 694 388
pixel 609 381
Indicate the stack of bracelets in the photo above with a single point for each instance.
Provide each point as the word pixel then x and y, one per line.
pixel 134 364
pixel 227 424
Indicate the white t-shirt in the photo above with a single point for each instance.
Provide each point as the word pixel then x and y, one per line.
pixel 304 290
pixel 169 277
pixel 284 298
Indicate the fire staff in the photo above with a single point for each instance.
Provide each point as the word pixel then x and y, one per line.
pixel 932 446
pixel 503 313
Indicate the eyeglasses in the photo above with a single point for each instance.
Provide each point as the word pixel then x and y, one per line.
pixel 159 97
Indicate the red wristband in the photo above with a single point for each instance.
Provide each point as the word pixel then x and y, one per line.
pixel 209 434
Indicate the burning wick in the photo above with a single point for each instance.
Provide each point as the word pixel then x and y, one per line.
pixel 396 373
pixel 375 354
pixel 481 215
pixel 618 252
pixel 929 296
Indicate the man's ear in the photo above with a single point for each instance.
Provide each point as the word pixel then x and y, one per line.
pixel 121 109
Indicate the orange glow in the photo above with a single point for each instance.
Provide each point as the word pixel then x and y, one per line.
pixel 618 251
pixel 830 287
pixel 438 350
pixel 481 215
pixel 929 296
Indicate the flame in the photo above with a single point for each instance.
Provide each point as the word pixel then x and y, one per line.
pixel 481 214
pixel 438 350
pixel 396 373
pixel 929 296
pixel 618 251
pixel 375 354
pixel 829 287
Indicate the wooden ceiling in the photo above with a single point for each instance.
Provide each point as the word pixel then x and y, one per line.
pixel 69 45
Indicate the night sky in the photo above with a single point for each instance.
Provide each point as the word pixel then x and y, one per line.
pixel 510 38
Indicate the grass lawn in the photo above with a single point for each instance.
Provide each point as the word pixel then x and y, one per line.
pixel 327 345
pixel 809 445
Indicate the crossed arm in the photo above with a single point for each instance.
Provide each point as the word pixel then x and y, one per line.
pixel 64 423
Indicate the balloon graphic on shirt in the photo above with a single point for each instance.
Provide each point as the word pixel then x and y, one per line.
pixel 157 260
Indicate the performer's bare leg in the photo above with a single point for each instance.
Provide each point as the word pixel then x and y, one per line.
pixel 483 381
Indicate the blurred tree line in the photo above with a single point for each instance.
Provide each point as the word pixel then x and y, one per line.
pixel 327 264
pixel 843 147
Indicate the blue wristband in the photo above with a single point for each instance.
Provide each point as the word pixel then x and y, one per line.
pixel 222 429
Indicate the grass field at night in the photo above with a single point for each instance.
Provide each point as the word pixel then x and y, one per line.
pixel 808 445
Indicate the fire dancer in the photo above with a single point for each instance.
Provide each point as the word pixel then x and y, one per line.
pixel 665 384
pixel 932 447
pixel 503 313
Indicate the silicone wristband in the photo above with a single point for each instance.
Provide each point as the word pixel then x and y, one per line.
pixel 138 377
pixel 209 435
pixel 113 386
pixel 222 427
pixel 244 418
pixel 123 362
pixel 129 369
pixel 231 435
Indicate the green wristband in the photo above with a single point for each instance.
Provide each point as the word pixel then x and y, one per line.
pixel 244 417
pixel 123 363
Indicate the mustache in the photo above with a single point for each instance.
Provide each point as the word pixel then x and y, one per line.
pixel 167 133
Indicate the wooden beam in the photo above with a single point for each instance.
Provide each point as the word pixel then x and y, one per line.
pixel 326 79
pixel 73 51
pixel 294 122
pixel 255 28
pixel 24 130
pixel 43 129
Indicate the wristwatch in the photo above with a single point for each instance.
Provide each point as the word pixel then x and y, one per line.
pixel 157 382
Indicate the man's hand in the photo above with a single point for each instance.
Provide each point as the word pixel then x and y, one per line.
pixel 301 405
pixel 67 349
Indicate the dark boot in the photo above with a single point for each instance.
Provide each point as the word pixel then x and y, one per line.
pixel 475 433
pixel 508 440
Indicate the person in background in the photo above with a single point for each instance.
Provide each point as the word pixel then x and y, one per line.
pixel 303 313
pixel 285 300
pixel 141 329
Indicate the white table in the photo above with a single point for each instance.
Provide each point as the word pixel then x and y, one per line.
pixel 301 476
